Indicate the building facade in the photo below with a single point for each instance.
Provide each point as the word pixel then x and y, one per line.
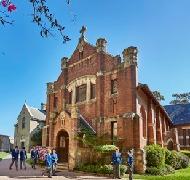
pixel 29 120
pixel 180 115
pixel 4 143
pixel 102 93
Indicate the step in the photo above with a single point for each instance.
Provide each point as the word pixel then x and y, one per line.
pixel 62 166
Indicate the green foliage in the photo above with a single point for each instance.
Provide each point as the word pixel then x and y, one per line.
pixel 161 171
pixel 183 98
pixel 37 136
pixel 176 159
pixel 155 156
pixel 105 148
pixel 158 96
pixel 186 152
pixel 100 169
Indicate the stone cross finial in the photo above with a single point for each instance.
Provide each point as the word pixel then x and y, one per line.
pixel 82 31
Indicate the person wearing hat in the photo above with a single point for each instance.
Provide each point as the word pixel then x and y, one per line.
pixel 116 161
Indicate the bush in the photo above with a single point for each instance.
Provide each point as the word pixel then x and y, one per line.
pixel 176 160
pixel 185 152
pixel 105 148
pixel 155 156
pixel 100 169
pixel 160 171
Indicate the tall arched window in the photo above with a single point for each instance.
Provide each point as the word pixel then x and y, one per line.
pixel 144 120
pixel 23 122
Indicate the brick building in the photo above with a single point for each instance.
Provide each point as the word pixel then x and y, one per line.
pixel 180 115
pixel 102 93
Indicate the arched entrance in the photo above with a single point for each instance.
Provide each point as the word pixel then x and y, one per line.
pixel 170 145
pixel 62 146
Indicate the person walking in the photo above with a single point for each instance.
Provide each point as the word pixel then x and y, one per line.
pixel 130 164
pixel 34 156
pixel 116 160
pixel 48 161
pixel 54 161
pixel 15 154
pixel 23 157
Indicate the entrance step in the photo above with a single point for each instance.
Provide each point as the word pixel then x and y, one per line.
pixel 62 166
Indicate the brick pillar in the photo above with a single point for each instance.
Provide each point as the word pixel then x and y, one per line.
pixel 151 138
pixel 139 153
pixel 159 139
pixel 88 91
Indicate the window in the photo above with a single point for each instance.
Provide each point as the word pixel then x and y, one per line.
pixel 93 91
pixel 81 93
pixel 55 103
pixel 114 86
pixel 81 55
pixel 184 137
pixel 62 141
pixel 113 130
pixel 70 97
pixel 23 122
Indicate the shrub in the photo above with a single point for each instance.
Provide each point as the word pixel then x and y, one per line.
pixel 184 160
pixel 187 153
pixel 100 169
pixel 161 171
pixel 105 148
pixel 155 156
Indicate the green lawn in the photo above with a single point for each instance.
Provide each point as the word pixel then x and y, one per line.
pixel 183 174
pixel 3 155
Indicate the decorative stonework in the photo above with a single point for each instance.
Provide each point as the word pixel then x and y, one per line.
pixel 50 88
pixel 130 56
pixel 64 62
pixel 101 45
pixel 130 115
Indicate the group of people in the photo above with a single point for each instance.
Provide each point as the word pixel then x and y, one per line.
pixel 50 159
pixel 15 158
pixel 117 160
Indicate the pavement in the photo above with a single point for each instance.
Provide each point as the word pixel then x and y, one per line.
pixel 33 174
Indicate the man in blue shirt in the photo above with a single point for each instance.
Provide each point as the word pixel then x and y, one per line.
pixel 130 164
pixel 23 157
pixel 116 160
pixel 15 153
pixel 48 160
pixel 54 161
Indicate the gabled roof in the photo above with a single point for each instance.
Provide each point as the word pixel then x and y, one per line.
pixel 179 113
pixel 36 114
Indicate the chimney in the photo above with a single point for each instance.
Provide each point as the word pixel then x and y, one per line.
pixel 64 61
pixel 101 45
pixel 43 107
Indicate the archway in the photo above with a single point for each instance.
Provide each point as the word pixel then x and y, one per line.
pixel 62 146
pixel 170 145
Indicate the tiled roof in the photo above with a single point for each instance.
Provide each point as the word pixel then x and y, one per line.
pixel 36 113
pixel 179 113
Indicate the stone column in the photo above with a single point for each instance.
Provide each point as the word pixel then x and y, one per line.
pixel 88 93
pixel 73 94
pixel 158 128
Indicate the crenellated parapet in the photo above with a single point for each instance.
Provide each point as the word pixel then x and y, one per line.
pixel 130 56
pixel 50 87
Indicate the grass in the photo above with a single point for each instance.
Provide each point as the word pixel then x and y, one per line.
pixel 3 155
pixel 182 174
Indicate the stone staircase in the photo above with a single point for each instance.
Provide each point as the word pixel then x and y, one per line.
pixel 62 166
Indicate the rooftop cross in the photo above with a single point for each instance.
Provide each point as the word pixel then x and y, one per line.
pixel 82 31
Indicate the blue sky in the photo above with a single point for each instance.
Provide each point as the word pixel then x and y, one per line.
pixel 159 28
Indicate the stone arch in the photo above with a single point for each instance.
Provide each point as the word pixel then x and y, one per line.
pixel 144 121
pixel 170 144
pixel 62 145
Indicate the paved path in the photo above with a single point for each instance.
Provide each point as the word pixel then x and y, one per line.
pixel 32 174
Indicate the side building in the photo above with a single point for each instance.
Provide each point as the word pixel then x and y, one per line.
pixel 29 126
pixel 180 115
pixel 4 143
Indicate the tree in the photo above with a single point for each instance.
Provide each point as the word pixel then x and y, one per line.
pixel 158 96
pixel 41 16
pixel 183 98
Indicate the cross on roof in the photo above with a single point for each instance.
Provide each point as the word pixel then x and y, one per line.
pixel 83 30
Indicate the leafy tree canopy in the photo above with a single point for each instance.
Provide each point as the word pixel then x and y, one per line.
pixel 183 98
pixel 158 96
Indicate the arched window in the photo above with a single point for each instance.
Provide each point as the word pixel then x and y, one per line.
pixel 23 122
pixel 144 121
pixel 62 141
